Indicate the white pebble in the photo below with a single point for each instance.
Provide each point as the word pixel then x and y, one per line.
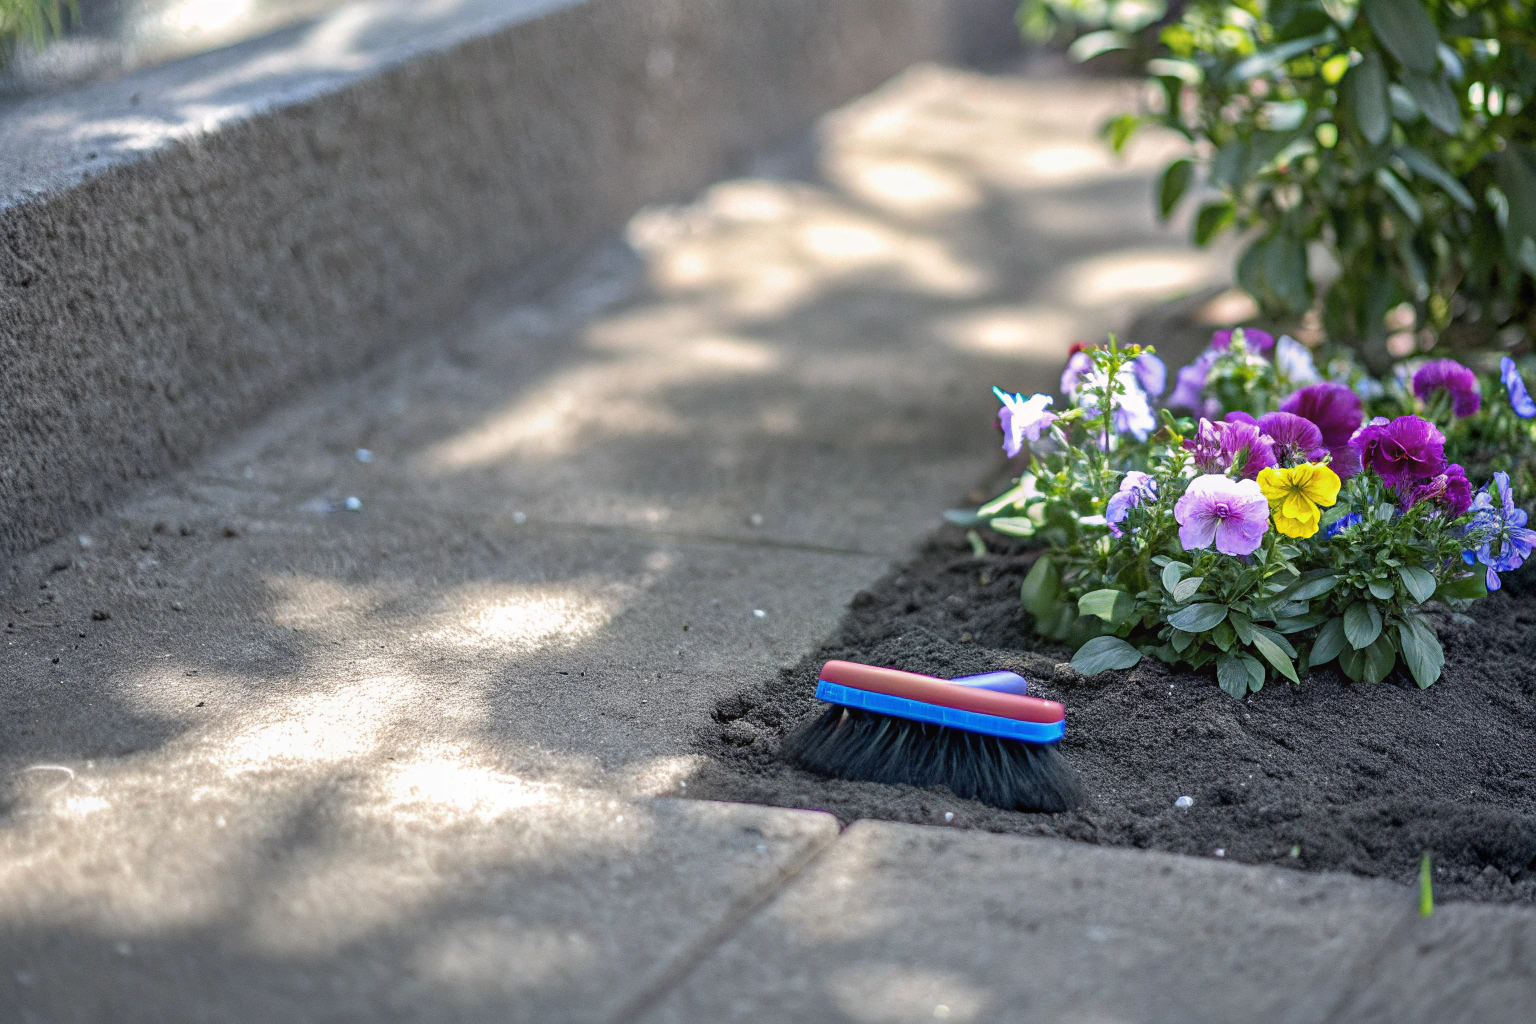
pixel 85 541
pixel 756 520
pixel 949 815
pixel 354 504
pixel 759 613
pixel 1184 801
pixel 519 518
pixel 364 455
pixel 1220 852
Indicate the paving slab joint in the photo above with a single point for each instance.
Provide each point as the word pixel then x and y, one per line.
pixel 676 972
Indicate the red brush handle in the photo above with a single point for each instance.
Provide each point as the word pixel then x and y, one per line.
pixel 942 692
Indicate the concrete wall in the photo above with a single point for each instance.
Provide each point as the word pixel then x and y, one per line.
pixel 183 249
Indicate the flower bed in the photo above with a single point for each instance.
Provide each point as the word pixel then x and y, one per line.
pixel 1300 539
pixel 1352 777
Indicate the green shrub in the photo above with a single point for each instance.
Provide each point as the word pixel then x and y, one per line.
pixel 33 21
pixel 1398 135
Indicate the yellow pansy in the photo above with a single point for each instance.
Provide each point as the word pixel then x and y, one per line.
pixel 1295 495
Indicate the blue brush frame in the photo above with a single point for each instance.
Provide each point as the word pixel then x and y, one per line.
pixel 917 711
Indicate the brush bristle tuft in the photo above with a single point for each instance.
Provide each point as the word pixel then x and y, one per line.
pixel 849 743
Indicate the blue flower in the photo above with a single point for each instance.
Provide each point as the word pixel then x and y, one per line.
pixel 1136 487
pixel 1338 526
pixel 1151 373
pixel 1294 361
pixel 1519 397
pixel 1505 542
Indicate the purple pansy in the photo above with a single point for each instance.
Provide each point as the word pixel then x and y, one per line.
pixel 1189 385
pixel 1458 381
pixel 1218 447
pixel 1079 364
pixel 1519 397
pixel 1022 418
pixel 1256 340
pixel 1150 373
pixel 1295 439
pixel 1451 490
pixel 1506 542
pixel 1335 410
pixel 1232 514
pixel 1408 448
pixel 1135 488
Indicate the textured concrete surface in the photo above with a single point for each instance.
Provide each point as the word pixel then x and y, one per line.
pixel 308 763
pixel 184 248
pixel 909 923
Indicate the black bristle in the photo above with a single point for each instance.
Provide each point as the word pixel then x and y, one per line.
pixel 848 743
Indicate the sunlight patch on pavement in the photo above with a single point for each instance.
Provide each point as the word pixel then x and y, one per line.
pixel 495 616
pixel 901 993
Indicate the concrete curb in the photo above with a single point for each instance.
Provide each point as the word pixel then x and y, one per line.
pixel 183 248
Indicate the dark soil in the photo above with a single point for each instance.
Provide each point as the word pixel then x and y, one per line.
pixel 1328 776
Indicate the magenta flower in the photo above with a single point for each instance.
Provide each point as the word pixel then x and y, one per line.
pixel 1451 490
pixel 1336 412
pixel 1022 418
pixel 1257 341
pixel 1232 514
pixel 1406 449
pixel 1295 439
pixel 1458 381
pixel 1135 488
pixel 1235 442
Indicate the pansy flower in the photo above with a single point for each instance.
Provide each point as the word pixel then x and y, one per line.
pixel 1519 397
pixel 1506 542
pixel 1022 418
pixel 1451 377
pixel 1297 495
pixel 1135 488
pixel 1231 514
pixel 1407 448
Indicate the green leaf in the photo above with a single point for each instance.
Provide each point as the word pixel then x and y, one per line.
pixel 1172 573
pixel 1329 643
pixel 1269 60
pixel 1380 590
pixel 1224 635
pixel 1422 652
pixel 1181 640
pixel 1420 583
pixel 1435 98
pixel 1212 219
pixel 1040 588
pixel 1274 655
pixel 1197 618
pixel 1379 659
pixel 978 546
pixel 1275 638
pixel 1297 623
pixel 1013 497
pixel 1274 271
pixel 1091 45
pixel 1362 624
pixel 1120 130
pixel 1400 195
pixel 1405 29
pixel 1175 183
pixel 1233 675
pixel 1313 583
pixel 1365 93
pixel 962 517
pixel 1103 654
pixel 1014 526
pixel 1470 587
pixel 1113 606
pixel 1187 588
pixel 1426 167
pixel 1243 626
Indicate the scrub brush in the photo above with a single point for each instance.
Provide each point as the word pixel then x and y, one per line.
pixel 981 736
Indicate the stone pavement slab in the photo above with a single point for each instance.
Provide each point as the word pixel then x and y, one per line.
pixel 898 923
pixel 311 762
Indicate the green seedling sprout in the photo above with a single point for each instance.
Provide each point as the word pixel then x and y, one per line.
pixel 1426 888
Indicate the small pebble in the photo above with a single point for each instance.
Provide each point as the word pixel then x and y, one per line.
pixel 354 504
pixel 85 541
pixel 682 785
pixel 759 613
pixel 1184 801
pixel 364 455
pixel 519 518
pixel 756 520
pixel 620 819
pixel 1220 852
pixel 949 815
